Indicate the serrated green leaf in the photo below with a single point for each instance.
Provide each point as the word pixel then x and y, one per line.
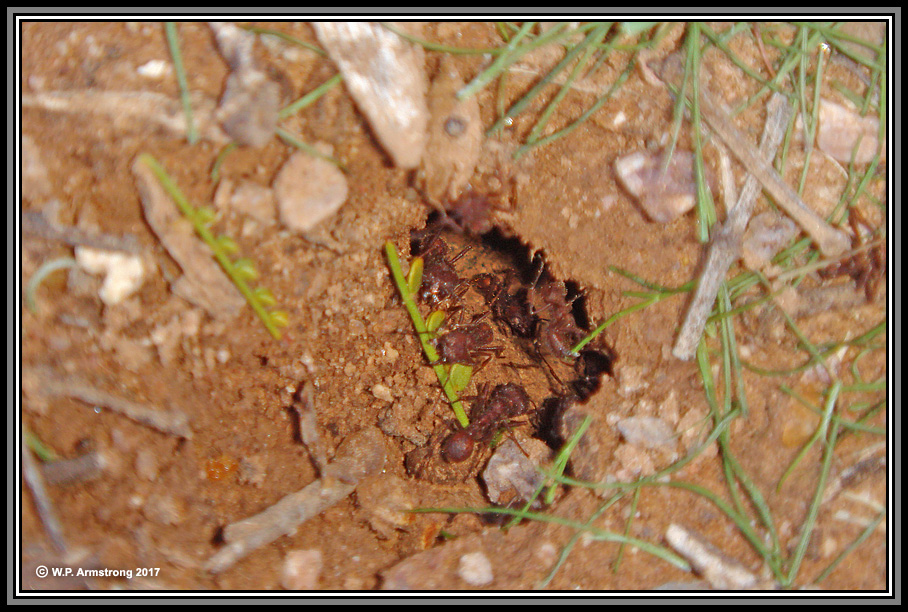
pixel 245 269
pixel 264 296
pixel 279 318
pixel 414 277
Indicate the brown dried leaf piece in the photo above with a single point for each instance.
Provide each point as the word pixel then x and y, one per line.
pixel 454 137
pixel 385 76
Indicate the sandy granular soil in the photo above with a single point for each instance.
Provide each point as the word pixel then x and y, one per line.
pixel 163 499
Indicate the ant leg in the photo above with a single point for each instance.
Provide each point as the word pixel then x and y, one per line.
pixel 461 254
pixel 489 352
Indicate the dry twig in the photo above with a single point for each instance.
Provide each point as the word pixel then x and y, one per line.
pixel 31 473
pixel 830 240
pixel 726 246
pixel 78 469
pixel 359 456
pixel 174 421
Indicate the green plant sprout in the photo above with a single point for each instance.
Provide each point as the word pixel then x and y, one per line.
pixel 173 42
pixel 46 269
pixel 452 378
pixel 240 271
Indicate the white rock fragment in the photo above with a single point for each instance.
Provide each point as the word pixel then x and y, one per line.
pixel 385 76
pixel 154 69
pixel 664 193
pixel 301 570
pixel 475 569
pixel 123 273
pixel 308 190
pixel 720 571
pixel 843 134
pixel 648 432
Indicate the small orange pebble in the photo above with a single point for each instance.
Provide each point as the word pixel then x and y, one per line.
pixel 220 467
pixel 429 535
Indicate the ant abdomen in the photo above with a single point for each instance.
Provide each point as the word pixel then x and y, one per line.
pixel 458 447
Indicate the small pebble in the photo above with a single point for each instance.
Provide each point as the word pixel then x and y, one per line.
pixel 153 69
pixel 766 235
pixel 301 570
pixel 664 193
pixel 843 133
pixel 382 392
pixel 36 183
pixel 648 432
pixel 164 509
pixel 475 569
pixel 254 200
pixel 308 190
pixel 511 474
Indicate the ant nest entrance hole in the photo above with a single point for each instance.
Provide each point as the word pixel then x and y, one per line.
pixel 516 325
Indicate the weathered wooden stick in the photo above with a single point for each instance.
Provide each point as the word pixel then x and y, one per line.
pixel 726 245
pixel 830 240
pixel 359 456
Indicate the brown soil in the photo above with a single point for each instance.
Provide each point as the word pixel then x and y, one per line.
pixel 163 500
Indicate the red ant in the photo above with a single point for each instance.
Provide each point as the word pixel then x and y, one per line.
pixel 467 343
pixel 440 282
pixel 867 267
pixel 558 333
pixel 490 413
pixel 513 309
pixel 470 214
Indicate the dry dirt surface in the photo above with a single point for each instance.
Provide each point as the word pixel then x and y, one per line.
pixel 197 418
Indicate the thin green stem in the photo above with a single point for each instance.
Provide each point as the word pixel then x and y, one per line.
pixel 423 334
pixel 230 267
pixel 173 42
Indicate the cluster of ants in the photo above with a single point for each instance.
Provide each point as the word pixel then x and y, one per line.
pixel 538 313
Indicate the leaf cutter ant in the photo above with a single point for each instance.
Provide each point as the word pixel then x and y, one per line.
pixel 440 281
pixel 468 343
pixel 491 412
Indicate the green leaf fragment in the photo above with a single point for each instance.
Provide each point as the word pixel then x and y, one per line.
pixel 459 375
pixel 227 244
pixel 245 269
pixel 414 276
pixel 264 295
pixel 434 320
pixel 279 318
pixel 206 215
